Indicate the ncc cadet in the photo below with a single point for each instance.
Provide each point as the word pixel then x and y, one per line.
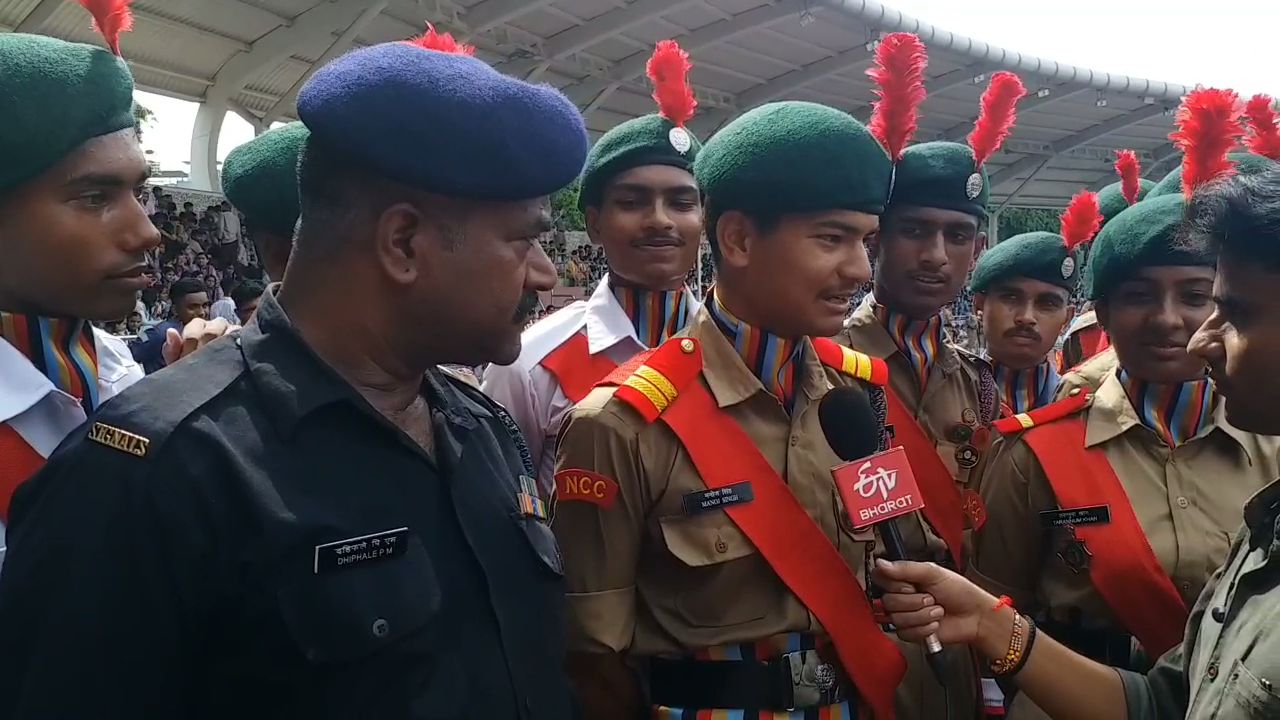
pixel 643 207
pixel 1022 291
pixel 754 608
pixel 941 399
pixel 72 237
pixel 260 179
pixel 354 534
pixel 1087 357
pixel 1085 338
pixel 1227 664
pixel 1108 512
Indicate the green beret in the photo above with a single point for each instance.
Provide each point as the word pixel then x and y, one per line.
pixel 1143 235
pixel 57 96
pixel 1111 200
pixel 646 140
pixel 941 175
pixel 794 157
pixel 1246 164
pixel 261 177
pixel 1038 255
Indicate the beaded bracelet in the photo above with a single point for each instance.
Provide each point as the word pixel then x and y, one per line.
pixel 1013 656
pixel 1026 647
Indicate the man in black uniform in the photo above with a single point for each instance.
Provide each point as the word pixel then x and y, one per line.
pixel 309 520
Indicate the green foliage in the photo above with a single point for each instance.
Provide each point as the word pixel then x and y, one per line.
pixel 1015 221
pixel 565 215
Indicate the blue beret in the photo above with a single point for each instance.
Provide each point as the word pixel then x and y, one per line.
pixel 445 123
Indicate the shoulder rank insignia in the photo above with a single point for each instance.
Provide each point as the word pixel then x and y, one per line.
pixel 1074 403
pixel 651 381
pixel 118 439
pixel 851 362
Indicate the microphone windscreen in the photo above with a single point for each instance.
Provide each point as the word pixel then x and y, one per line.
pixel 849 423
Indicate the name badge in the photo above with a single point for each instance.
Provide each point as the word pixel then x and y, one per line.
pixel 696 503
pixel 355 551
pixel 1093 515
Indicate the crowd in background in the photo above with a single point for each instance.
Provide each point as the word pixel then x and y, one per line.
pixel 211 244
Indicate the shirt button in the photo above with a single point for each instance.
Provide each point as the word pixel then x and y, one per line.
pixel 1211 672
pixel 1186 587
pixel 1218 614
pixel 795 440
pixel 1183 503
pixel 380 628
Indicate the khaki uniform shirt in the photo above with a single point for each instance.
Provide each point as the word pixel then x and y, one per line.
pixel 1187 500
pixel 1089 374
pixel 1228 666
pixel 644 577
pixel 953 394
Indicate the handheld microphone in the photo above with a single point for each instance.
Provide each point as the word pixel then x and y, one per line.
pixel 852 431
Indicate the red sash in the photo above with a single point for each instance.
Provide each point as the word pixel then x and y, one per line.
pixel 796 548
pixel 1123 567
pixel 1093 340
pixel 18 461
pixel 576 369
pixel 943 504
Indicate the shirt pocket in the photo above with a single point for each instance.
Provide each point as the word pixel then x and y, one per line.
pixel 1247 695
pixel 716 579
pixel 351 613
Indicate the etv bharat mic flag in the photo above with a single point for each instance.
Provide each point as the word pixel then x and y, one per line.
pixel 877 488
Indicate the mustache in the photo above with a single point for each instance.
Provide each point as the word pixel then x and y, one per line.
pixel 1020 332
pixel 528 303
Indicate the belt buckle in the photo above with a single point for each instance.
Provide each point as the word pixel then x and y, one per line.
pixel 813 681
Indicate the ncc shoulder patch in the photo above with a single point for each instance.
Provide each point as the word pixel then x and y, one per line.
pixel 1076 402
pixel 117 439
pixel 585 486
pixel 851 362
pixel 651 382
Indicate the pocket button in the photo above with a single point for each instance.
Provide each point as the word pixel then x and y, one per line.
pixel 381 628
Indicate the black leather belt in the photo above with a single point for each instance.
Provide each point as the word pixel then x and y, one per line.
pixel 1109 647
pixel 794 681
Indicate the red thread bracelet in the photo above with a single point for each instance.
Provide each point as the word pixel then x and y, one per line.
pixel 1002 602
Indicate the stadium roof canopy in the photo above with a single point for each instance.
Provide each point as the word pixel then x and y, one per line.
pixel 251 56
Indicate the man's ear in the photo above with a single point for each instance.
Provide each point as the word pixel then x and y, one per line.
pixel 979 246
pixel 735 235
pixel 979 301
pixel 592 220
pixel 1103 311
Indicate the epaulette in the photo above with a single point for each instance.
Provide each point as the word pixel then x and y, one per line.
pixel 851 362
pixel 140 421
pixel 1074 403
pixel 651 381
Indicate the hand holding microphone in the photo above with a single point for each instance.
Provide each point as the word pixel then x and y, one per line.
pixel 875 488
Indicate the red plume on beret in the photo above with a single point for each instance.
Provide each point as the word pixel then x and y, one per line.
pixel 1265 136
pixel 110 18
pixel 1081 220
pixel 1207 125
pixel 441 42
pixel 996 115
pixel 668 70
pixel 1129 171
pixel 899 74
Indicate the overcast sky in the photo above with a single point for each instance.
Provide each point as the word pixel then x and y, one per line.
pixel 1222 43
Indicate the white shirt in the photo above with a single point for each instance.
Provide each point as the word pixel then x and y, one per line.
pixel 532 394
pixel 224 308
pixel 42 414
